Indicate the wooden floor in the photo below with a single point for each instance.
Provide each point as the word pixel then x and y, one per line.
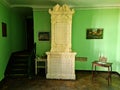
pixel 83 82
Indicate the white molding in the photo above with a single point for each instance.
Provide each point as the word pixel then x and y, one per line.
pixel 88 8
pixel 33 6
pixel 40 9
pixel 46 7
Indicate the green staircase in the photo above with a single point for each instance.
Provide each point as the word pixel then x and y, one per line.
pixel 21 64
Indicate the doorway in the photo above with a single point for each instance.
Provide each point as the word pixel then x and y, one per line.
pixel 30 33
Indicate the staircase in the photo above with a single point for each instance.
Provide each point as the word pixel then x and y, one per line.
pixel 21 64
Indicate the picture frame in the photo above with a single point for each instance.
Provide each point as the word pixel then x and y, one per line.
pixel 43 36
pixel 4 29
pixel 94 33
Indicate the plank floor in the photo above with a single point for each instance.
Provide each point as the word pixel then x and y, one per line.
pixel 83 82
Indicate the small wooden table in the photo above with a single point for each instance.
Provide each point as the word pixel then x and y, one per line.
pixel 102 64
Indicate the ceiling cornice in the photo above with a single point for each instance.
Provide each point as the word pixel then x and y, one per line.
pixel 44 7
pixel 32 6
pixel 78 7
pixel 4 2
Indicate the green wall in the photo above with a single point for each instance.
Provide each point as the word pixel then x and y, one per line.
pixel 91 48
pixel 4 41
pixel 18 32
pixel 109 19
pixel 41 24
pixel 14 40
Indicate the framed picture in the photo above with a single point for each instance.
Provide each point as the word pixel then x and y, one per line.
pixel 4 29
pixel 94 33
pixel 43 36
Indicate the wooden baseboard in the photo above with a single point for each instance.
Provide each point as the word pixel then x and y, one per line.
pixel 116 73
pixel 113 72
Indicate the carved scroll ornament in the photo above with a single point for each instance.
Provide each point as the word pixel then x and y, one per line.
pixel 61 9
pixel 61 13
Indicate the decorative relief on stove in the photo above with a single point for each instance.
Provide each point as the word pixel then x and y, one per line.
pixel 60 9
pixel 61 59
pixel 61 20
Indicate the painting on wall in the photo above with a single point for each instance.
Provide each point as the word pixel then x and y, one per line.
pixel 94 33
pixel 43 36
pixel 4 29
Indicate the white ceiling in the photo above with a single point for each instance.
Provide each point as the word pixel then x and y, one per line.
pixel 72 3
pixel 21 5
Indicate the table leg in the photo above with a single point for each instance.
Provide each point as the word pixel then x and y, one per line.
pixel 92 72
pixel 36 67
pixel 109 74
pixel 95 69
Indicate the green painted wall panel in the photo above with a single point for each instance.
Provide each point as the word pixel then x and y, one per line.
pixel 15 34
pixel 117 63
pixel 4 41
pixel 41 24
pixel 18 32
pixel 101 18
pixel 108 19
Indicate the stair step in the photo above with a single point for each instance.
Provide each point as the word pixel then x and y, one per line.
pixel 19 69
pixel 18 75
pixel 18 72
pixel 20 60
pixel 19 63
